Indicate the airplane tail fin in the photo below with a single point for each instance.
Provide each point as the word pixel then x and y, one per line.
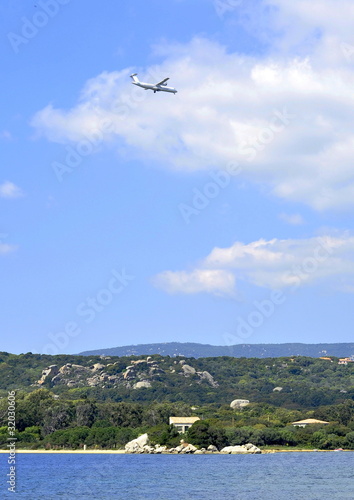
pixel 134 78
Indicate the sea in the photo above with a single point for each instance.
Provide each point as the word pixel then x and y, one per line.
pixel 277 476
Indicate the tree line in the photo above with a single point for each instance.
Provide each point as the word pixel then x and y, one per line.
pixel 45 421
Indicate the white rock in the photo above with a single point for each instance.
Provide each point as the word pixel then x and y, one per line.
pixel 249 448
pixel 137 445
pixel 160 449
pixel 188 370
pixel 145 384
pixel 149 449
pixel 98 366
pixel 209 378
pixel 239 403
pixel 189 449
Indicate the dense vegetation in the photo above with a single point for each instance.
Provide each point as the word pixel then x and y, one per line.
pixel 43 421
pixel 281 390
pixel 305 382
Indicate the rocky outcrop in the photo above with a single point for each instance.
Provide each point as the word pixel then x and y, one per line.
pixel 239 403
pixel 142 368
pixel 142 445
pixel 138 374
pixel 209 378
pixel 188 370
pixel 137 445
pixel 69 374
pixel 160 449
pixel 130 373
pixel 245 448
pixel 48 373
pixel 144 384
pixel 97 366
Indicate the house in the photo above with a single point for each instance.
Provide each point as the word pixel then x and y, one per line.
pixel 327 359
pixel 345 361
pixel 182 424
pixel 308 421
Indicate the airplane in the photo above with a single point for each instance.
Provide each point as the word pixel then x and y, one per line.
pixel 158 87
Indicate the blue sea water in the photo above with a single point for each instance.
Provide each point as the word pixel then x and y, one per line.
pixel 279 476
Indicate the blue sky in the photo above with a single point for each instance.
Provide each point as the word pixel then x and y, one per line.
pixel 221 214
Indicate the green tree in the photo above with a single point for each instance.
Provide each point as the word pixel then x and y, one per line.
pixel 203 433
pixel 164 434
pixel 350 440
pixel 86 413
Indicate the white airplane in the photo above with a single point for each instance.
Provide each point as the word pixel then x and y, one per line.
pixel 158 87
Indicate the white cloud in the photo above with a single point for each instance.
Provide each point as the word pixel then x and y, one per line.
pixel 293 219
pixel 217 282
pixel 10 190
pixel 298 27
pixel 286 120
pixel 274 264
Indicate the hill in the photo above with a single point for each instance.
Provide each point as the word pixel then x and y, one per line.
pixel 194 350
pixel 68 401
pixel 300 382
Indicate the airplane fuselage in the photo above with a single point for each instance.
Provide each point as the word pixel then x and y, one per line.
pixel 155 88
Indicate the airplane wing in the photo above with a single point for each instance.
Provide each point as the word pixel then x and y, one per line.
pixel 163 82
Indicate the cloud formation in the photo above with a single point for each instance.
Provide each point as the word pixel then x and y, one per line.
pixel 214 281
pixel 273 264
pixel 10 190
pixel 286 120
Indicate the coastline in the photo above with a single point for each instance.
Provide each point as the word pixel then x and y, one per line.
pixel 68 451
pixel 123 452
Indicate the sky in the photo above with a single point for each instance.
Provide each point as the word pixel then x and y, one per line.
pixel 221 214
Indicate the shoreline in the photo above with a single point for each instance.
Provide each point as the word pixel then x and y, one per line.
pixel 89 452
pixel 123 452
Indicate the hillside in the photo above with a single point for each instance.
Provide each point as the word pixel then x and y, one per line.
pixel 294 382
pixel 74 401
pixel 189 349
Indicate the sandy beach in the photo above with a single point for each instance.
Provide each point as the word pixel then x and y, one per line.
pixel 69 451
